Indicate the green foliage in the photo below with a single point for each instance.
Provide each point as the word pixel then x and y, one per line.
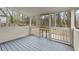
pixel 11 19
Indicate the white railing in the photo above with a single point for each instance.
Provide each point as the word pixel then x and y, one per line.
pixel 58 34
pixel 61 34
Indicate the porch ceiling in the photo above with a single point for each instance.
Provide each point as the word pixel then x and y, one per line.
pixel 31 11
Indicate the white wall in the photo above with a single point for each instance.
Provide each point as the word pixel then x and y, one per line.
pixel 75 31
pixel 10 33
pixel 76 39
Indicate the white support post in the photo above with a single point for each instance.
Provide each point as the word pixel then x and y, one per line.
pixel 50 27
pixel 55 19
pixel 36 19
pixel 39 20
pixel 72 25
pixel 30 26
pixel 72 18
pixel 39 25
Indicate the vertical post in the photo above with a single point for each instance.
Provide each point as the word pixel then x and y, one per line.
pixel 0 22
pixel 37 20
pixel 30 26
pixel 50 27
pixel 46 32
pixel 39 25
pixel 72 26
pixel 55 19
pixel 55 26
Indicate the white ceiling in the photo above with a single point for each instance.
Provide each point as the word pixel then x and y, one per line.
pixel 31 11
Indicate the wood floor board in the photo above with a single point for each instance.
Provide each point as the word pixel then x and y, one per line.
pixel 33 43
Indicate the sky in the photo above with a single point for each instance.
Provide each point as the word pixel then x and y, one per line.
pixel 3 19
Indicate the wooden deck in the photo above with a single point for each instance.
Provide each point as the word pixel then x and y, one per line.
pixel 33 43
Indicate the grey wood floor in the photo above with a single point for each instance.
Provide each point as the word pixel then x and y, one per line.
pixel 32 43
